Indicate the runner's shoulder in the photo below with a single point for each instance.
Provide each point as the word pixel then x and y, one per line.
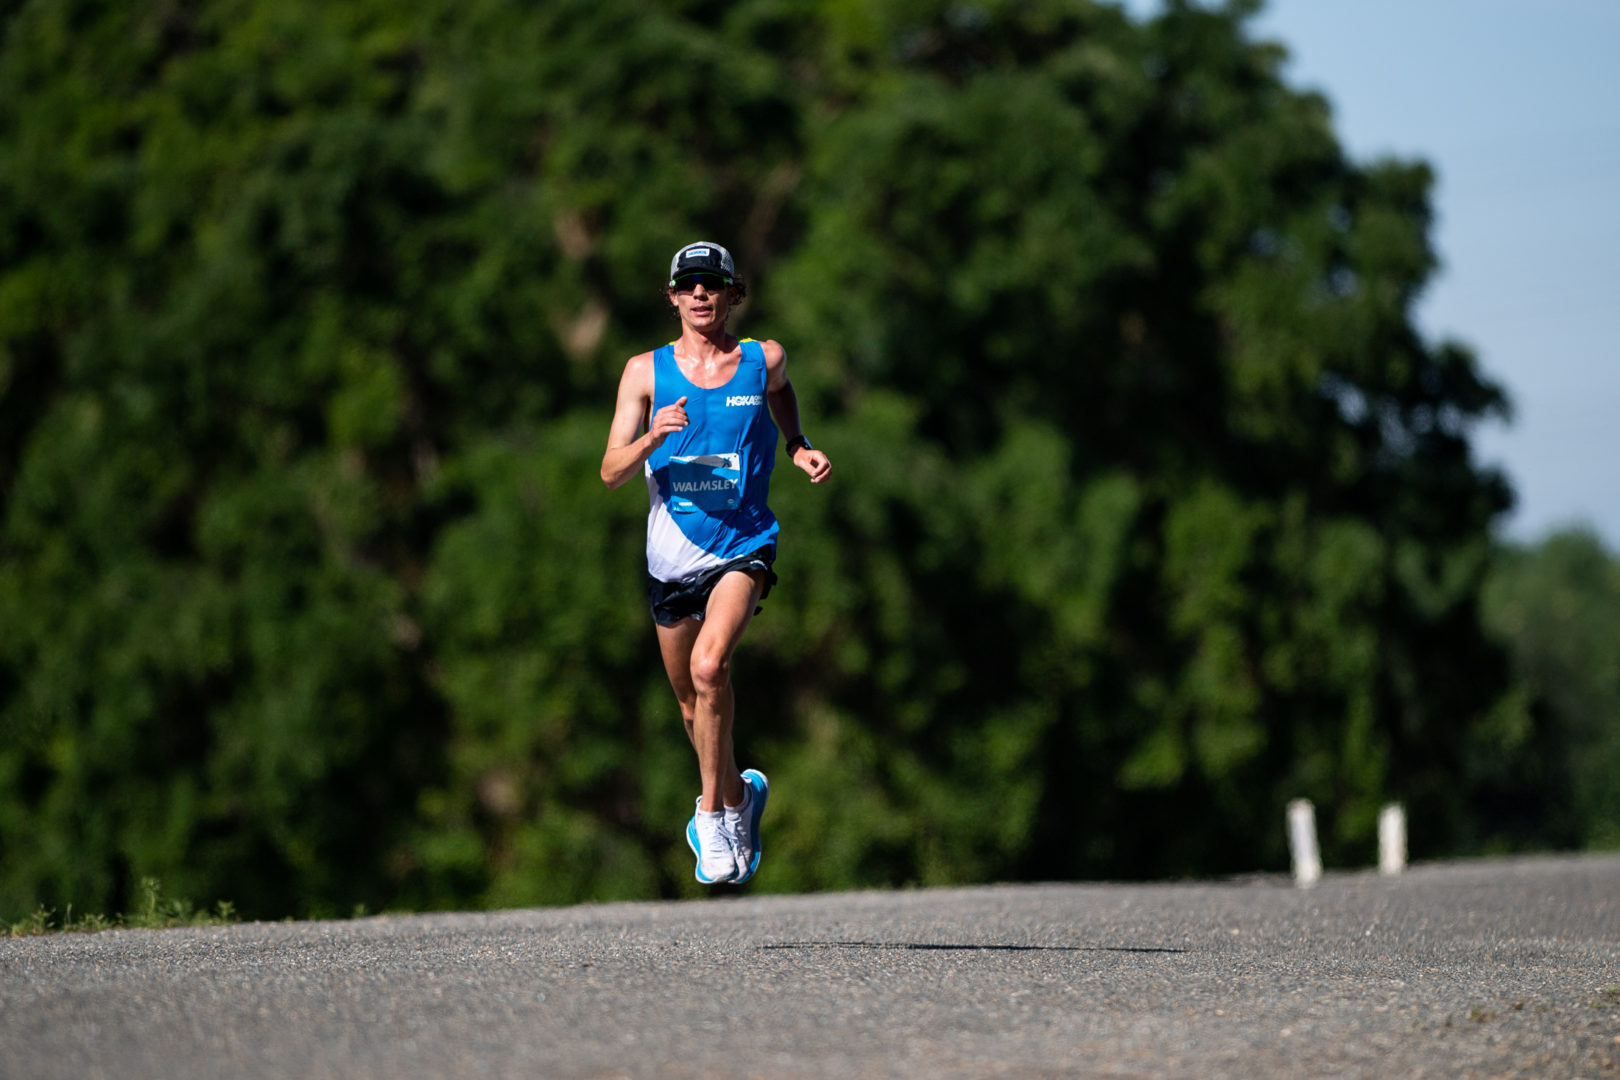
pixel 775 354
pixel 639 368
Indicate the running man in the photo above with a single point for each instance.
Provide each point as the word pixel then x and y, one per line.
pixel 696 418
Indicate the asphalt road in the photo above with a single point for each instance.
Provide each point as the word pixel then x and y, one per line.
pixel 1498 968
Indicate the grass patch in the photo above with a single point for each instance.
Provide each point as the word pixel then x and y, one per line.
pixel 157 912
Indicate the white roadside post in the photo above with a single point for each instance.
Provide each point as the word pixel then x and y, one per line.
pixel 1392 839
pixel 1302 843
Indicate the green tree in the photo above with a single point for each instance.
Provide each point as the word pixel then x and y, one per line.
pixel 1154 509
pixel 1555 605
pixel 1219 488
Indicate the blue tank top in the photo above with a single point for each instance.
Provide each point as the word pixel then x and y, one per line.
pixel 708 484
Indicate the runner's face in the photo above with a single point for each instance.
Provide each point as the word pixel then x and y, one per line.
pixel 702 300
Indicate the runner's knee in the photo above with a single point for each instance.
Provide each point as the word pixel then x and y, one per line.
pixel 711 673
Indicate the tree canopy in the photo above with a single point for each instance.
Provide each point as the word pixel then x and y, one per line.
pixel 1154 508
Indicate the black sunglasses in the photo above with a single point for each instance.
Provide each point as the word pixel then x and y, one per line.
pixel 711 282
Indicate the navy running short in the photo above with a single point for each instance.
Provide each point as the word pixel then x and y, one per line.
pixel 672 601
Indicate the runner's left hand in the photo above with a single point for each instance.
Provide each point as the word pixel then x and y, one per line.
pixel 813 462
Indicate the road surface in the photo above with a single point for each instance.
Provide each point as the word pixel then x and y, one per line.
pixel 1492 968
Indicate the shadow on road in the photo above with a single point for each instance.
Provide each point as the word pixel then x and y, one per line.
pixel 932 947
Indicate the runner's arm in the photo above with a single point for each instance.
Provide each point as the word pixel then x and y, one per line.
pixel 784 405
pixel 628 448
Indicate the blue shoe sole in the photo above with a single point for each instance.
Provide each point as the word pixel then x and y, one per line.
pixel 761 791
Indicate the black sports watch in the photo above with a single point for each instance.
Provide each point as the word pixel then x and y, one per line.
pixel 796 442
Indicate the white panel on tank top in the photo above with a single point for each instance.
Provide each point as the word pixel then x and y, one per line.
pixel 670 555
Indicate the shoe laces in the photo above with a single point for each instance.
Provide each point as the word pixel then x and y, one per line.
pixel 716 840
pixel 736 826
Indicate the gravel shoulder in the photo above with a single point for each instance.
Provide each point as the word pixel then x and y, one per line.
pixel 1481 968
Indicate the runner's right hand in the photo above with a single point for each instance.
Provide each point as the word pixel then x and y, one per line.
pixel 667 421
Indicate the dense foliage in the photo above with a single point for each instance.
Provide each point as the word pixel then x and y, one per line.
pixel 1153 509
pixel 1556 607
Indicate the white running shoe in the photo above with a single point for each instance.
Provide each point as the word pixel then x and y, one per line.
pixel 743 824
pixel 710 841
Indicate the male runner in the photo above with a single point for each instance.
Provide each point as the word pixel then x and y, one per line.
pixel 695 417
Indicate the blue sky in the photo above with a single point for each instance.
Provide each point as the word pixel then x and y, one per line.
pixel 1517 107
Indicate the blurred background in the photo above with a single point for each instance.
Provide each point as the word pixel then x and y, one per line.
pixel 1161 498
pixel 1517 110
